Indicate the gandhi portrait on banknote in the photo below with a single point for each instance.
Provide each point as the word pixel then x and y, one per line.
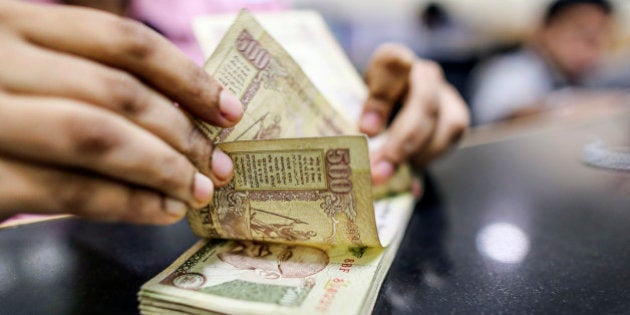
pixel 274 261
pixel 254 271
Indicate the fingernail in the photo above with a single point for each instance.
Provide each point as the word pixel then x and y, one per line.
pixel 202 189
pixel 371 122
pixel 175 207
pixel 230 106
pixel 382 171
pixel 222 165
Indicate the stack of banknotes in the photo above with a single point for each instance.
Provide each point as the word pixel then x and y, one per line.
pixel 297 230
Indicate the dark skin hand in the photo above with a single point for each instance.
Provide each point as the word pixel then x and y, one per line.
pixel 88 123
pixel 431 119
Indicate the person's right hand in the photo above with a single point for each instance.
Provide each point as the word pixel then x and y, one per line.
pixel 88 123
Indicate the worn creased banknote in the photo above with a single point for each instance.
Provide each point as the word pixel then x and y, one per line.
pixel 307 40
pixel 312 191
pixel 297 230
pixel 280 101
pixel 250 277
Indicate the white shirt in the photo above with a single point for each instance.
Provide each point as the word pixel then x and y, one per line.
pixel 511 82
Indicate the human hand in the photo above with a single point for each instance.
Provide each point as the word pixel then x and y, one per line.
pixel 431 119
pixel 88 123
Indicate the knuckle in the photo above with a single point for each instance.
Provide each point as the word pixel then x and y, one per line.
pixel 463 116
pixel 170 178
pixel 458 125
pixel 411 143
pixel 459 115
pixel 108 202
pixel 431 109
pixel 200 84
pixel 408 151
pixel 73 193
pixel 126 92
pixel 134 199
pixel 456 129
pixel 91 135
pixel 139 207
pixel 8 10
pixel 134 205
pixel 133 38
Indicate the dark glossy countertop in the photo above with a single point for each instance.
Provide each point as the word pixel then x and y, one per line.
pixel 519 226
pixel 514 226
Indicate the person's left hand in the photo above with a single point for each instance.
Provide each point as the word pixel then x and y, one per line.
pixel 432 117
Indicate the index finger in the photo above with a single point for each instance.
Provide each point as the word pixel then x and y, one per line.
pixel 387 77
pixel 133 47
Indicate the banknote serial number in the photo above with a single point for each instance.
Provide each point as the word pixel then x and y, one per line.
pixel 347 265
pixel 331 288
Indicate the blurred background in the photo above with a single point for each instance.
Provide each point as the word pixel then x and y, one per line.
pixel 458 34
pixel 509 59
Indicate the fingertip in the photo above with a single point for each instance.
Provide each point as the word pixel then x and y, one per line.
pixel 175 208
pixel 230 106
pixel 203 189
pixel 222 165
pixel 371 123
pixel 382 171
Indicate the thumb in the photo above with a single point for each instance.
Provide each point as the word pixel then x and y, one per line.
pixel 387 77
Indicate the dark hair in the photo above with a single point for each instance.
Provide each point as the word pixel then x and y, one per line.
pixel 559 6
pixel 434 15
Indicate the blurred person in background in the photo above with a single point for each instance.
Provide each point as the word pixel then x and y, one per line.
pixel 449 41
pixel 88 123
pixel 442 36
pixel 563 52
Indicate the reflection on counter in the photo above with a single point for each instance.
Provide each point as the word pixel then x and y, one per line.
pixel 503 242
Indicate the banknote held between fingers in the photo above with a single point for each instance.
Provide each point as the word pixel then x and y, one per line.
pixel 135 86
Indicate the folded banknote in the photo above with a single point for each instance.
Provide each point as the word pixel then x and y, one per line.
pixel 297 230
